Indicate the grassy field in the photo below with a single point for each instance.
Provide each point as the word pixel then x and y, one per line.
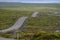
pixel 43 22
pixel 9 17
pixel 29 6
pixel 43 26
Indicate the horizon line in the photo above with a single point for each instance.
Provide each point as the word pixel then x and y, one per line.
pixel 35 2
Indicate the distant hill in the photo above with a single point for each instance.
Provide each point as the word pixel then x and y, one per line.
pixel 17 4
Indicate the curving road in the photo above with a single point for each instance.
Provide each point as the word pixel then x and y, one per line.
pixel 16 26
pixel 35 14
pixel 18 23
pixel 5 39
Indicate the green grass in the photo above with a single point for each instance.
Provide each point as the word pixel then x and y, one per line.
pixel 42 23
pixel 32 26
pixel 9 17
pixel 29 6
pixel 46 36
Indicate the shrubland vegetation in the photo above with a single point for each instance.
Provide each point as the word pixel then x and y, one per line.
pixel 43 22
pixel 33 36
pixel 46 36
pixel 9 17
pixel 42 27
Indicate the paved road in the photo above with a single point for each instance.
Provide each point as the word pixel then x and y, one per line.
pixel 16 26
pixel 35 14
pixel 18 23
pixel 57 31
pixel 5 39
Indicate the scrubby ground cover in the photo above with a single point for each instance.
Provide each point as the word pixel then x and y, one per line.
pixel 43 22
pixel 42 27
pixel 32 27
pixel 9 17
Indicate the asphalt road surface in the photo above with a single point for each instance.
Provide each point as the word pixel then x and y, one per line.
pixel 5 39
pixel 16 26
pixel 35 14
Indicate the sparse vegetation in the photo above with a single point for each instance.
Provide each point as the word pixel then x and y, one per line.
pixel 44 22
pixel 42 27
pixel 9 17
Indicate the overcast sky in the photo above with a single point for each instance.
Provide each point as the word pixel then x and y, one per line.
pixel 32 1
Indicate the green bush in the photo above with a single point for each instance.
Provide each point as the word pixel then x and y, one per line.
pixel 46 36
pixel 5 35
